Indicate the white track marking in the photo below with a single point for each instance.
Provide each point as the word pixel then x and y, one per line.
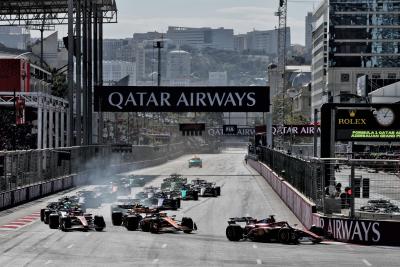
pixel 366 262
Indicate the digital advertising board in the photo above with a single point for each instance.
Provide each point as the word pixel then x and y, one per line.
pixel 379 122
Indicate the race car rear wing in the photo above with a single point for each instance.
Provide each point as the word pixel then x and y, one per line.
pixel 241 219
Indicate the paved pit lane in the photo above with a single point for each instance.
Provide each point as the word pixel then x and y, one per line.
pixel 243 193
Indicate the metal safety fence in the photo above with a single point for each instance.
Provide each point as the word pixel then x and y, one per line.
pixel 29 167
pixel 356 188
pixel 362 188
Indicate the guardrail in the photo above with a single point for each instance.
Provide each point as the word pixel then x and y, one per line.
pixel 28 167
pixel 366 212
pixel 91 165
pixel 25 194
pixel 298 204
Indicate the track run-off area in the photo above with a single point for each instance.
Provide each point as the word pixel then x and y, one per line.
pixel 25 241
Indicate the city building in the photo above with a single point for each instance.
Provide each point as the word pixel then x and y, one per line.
pixel 50 50
pixel 111 46
pixel 220 38
pixel 300 96
pixel 350 40
pixel 15 37
pixel 140 57
pixel 308 35
pixel 115 70
pixel 178 68
pixel 219 78
pixel 298 88
pixel 141 37
pixel 386 94
pixel 265 41
pixel 291 73
pixel 239 42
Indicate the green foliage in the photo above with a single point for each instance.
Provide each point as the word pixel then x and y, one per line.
pixel 289 116
pixel 59 85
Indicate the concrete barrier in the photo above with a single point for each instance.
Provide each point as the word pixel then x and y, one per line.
pixel 34 192
pixel 22 195
pixel 298 204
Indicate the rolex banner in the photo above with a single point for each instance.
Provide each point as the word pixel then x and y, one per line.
pixel 375 123
pixel 181 99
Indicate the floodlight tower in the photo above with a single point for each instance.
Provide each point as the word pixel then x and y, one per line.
pixel 279 109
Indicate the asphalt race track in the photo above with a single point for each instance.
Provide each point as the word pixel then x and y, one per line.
pixel 243 193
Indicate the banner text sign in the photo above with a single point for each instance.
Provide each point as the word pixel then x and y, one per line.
pixel 181 99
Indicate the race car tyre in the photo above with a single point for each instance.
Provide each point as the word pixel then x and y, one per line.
pixel 65 224
pixel 116 218
pixel 99 223
pixel 132 222
pixel 187 222
pixel 234 232
pixel 46 216
pixel 285 235
pixel 195 195
pixel 42 214
pixel 218 189
pixel 317 230
pixel 214 192
pixel 154 227
pixel 174 205
pixel 145 226
pixel 54 221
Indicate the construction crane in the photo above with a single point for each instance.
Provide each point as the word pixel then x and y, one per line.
pixel 279 109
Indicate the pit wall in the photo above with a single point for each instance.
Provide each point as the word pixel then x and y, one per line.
pixel 365 232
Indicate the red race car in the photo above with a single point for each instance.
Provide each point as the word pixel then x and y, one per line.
pixel 268 230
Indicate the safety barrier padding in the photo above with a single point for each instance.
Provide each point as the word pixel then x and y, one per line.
pixel 298 204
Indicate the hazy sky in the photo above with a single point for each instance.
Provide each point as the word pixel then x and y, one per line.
pixel 240 15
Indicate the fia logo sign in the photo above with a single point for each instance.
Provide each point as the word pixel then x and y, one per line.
pixel 230 129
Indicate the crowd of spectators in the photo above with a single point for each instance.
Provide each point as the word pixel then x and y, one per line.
pixel 22 134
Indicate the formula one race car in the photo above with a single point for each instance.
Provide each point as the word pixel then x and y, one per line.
pixel 161 223
pixel 189 193
pixel 195 162
pixel 175 181
pixel 151 220
pixel 206 189
pixel 76 220
pixel 89 199
pixel 268 230
pixel 64 204
pixel 380 206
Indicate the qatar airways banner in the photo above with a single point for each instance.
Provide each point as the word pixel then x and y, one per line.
pixel 181 99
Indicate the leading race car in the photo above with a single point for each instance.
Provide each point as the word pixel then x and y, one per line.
pixel 195 162
pixel 268 230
